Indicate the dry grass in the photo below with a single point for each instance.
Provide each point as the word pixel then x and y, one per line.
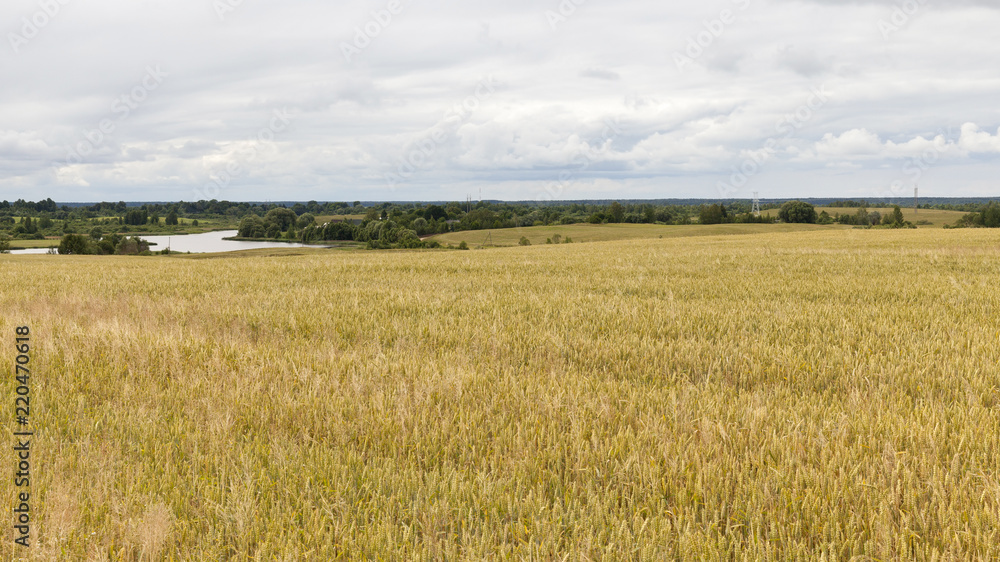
pixel 778 396
pixel 937 218
pixel 608 232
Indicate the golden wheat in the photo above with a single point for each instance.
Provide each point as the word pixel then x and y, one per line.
pixel 788 396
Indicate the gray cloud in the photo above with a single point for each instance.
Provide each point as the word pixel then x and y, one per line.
pixel 559 78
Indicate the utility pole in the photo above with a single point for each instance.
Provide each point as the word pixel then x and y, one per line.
pixel 756 204
pixel 916 201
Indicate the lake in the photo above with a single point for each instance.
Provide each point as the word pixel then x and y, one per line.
pixel 195 243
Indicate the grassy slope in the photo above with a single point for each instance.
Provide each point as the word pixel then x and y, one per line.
pixel 22 244
pixel 937 218
pixel 320 219
pixel 776 396
pixel 607 232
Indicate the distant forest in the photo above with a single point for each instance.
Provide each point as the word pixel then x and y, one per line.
pixel 405 224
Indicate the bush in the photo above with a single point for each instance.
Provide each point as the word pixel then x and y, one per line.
pixel 282 217
pixel 462 245
pixel 798 212
pixel 306 220
pixel 339 231
pixel 524 241
pixel 4 244
pixel 132 246
pixel 75 244
pixel 251 226
pixel 991 216
pixel 713 214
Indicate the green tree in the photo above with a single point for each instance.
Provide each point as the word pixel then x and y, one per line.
pixel 991 215
pixel 524 241
pixel 4 244
pixel 251 226
pixel 339 231
pixel 895 218
pixel 711 214
pixel 281 217
pixel 135 217
pixel 171 219
pixel 132 246
pixel 798 212
pixel 74 244
pixel 617 212
pixel 307 219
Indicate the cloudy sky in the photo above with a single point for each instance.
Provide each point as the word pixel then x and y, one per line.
pixel 147 100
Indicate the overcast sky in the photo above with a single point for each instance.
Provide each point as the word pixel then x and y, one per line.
pixel 439 99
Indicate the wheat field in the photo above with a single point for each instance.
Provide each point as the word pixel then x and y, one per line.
pixel 825 395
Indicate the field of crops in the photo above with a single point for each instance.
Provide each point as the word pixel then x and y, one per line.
pixel 608 232
pixel 925 217
pixel 809 395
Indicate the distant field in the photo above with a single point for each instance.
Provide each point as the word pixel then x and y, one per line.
pixel 937 218
pixel 320 219
pixel 608 232
pixel 25 244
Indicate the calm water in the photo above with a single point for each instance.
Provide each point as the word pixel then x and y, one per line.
pixel 195 243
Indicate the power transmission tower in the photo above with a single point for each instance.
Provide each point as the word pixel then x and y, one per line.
pixel 756 205
pixel 916 201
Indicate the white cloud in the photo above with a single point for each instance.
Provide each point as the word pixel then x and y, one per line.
pixel 979 141
pixel 556 90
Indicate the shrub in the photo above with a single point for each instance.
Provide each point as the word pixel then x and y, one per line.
pixel 798 212
pixel 75 244
pixel 132 246
pixel 462 245
pixel 524 241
